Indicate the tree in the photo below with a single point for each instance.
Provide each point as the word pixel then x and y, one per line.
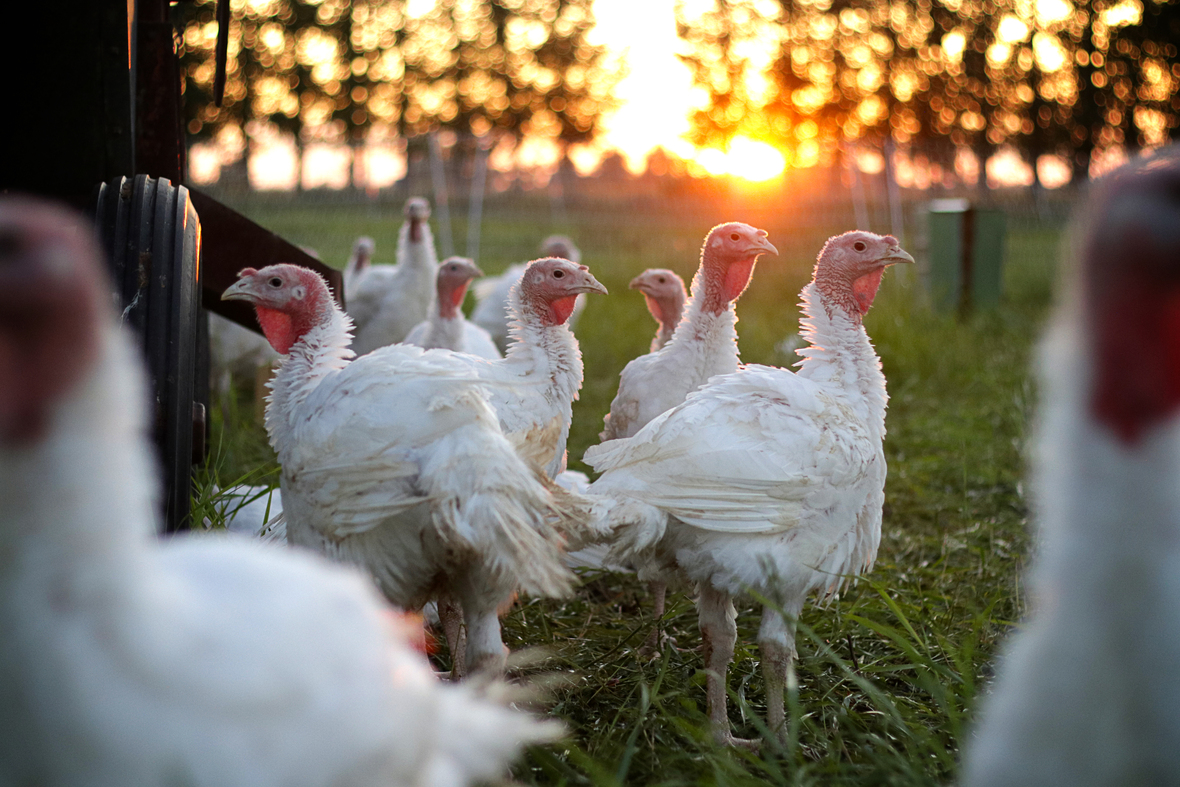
pixel 1048 77
pixel 506 67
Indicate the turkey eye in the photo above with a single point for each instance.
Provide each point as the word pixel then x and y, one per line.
pixel 663 280
pixel 558 274
pixel 859 245
pixel 276 282
pixel 735 236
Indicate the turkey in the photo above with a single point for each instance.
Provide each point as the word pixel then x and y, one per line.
pixel 704 344
pixel 396 462
pixel 534 386
pixel 131 662
pixel 446 327
pixel 764 479
pixel 389 300
pixel 663 290
pixel 1086 692
pixel 493 293
pixel 357 266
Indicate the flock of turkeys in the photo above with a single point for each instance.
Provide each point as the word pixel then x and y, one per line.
pixel 423 462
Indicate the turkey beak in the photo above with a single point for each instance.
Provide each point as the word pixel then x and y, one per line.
pixel 240 290
pixel 476 273
pixel 897 254
pixel 638 283
pixel 763 246
pixel 588 283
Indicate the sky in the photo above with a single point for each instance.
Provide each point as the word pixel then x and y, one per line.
pixel 656 97
pixel 657 93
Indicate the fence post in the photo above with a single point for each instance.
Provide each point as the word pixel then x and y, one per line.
pixel 442 206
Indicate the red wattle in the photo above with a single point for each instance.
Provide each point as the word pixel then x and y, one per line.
pixel 561 309
pixel 278 328
pixel 1138 359
pixel 864 289
pixel 737 277
pixel 458 295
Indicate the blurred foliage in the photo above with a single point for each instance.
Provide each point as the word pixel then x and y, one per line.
pixel 335 70
pixel 1048 76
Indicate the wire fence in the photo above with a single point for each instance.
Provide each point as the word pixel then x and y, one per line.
pixel 646 220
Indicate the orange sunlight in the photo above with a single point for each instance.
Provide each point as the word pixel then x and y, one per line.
pixel 746 158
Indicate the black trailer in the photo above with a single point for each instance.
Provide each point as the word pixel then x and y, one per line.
pixel 93 118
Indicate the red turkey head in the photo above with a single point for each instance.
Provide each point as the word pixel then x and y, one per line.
pixel 663 290
pixel 850 267
pixel 727 263
pixel 51 292
pixel 362 252
pixel 454 274
pixel 550 286
pixel 289 300
pixel 417 212
pixel 1130 273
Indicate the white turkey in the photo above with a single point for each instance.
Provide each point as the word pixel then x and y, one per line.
pixel 357 266
pixel 493 293
pixel 396 462
pixel 765 479
pixel 704 344
pixel 1086 692
pixel 204 661
pixel 388 300
pixel 446 327
pixel 534 386
pixel 663 291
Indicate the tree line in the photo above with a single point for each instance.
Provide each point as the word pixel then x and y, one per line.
pixel 495 70
pixel 1046 76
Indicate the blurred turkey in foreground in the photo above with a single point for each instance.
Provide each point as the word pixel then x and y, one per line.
pixel 128 662
pixel 1087 692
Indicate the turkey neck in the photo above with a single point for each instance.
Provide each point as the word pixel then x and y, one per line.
pixel 78 508
pixel 417 253
pixel 446 332
pixel 1109 507
pixel 841 355
pixel 663 335
pixel 318 353
pixel 545 355
pixel 667 314
pixel 705 341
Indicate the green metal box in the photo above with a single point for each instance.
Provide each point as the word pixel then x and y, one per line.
pixel 966 253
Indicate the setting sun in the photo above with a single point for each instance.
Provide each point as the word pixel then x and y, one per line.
pixel 746 158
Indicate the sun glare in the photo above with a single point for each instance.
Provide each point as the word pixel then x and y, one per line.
pixel 746 158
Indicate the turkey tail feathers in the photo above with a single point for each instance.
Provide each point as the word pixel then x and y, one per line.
pixel 635 527
pixel 488 502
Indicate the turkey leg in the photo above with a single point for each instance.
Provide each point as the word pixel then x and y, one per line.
pixel 450 614
pixel 776 642
pixel 659 594
pixel 718 622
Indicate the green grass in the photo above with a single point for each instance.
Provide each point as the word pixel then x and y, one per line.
pixel 889 672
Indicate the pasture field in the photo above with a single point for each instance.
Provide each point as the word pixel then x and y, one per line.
pixel 888 673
